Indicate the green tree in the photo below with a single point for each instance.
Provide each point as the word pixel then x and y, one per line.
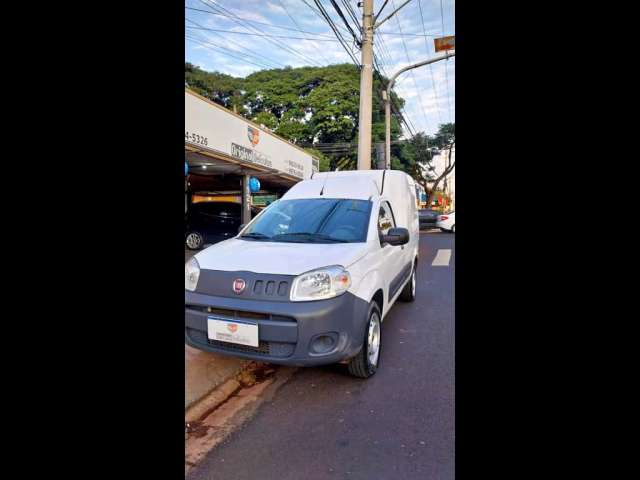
pixel 217 87
pixel 424 148
pixel 305 105
pixel 267 119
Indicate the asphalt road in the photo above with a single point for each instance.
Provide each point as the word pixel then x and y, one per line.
pixel 399 424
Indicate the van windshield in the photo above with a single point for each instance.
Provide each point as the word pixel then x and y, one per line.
pixel 312 220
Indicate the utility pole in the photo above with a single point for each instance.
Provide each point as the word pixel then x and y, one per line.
pixel 369 24
pixel 366 88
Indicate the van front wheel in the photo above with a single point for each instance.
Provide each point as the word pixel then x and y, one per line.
pixel 365 364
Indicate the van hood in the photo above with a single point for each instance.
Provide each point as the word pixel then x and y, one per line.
pixel 277 257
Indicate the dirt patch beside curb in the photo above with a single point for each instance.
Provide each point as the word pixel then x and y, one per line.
pixel 229 406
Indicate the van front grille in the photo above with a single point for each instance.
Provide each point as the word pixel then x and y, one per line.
pixel 265 349
pixel 238 314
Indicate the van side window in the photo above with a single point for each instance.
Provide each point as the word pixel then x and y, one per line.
pixel 385 219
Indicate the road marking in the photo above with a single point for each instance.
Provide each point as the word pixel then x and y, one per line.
pixel 442 258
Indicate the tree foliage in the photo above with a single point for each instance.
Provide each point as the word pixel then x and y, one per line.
pixel 424 148
pixel 311 105
pixel 304 105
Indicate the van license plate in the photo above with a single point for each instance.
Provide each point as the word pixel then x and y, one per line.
pixel 232 331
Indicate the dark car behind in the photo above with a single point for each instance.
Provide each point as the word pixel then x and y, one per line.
pixel 212 222
pixel 428 218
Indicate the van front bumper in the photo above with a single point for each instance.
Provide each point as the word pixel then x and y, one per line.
pixel 288 331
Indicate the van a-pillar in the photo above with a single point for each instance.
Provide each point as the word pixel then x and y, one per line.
pixel 246 200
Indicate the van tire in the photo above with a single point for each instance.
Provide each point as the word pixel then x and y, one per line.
pixel 360 366
pixel 409 291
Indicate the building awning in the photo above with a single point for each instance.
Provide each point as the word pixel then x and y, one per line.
pixel 202 162
pixel 218 141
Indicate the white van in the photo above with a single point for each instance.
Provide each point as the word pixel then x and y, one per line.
pixel 311 278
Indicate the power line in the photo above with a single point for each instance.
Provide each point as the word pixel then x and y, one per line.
pixel 300 30
pixel 399 113
pixel 382 47
pixel 264 35
pixel 319 14
pixel 237 20
pixel 415 84
pixel 344 144
pixel 405 34
pixel 214 5
pixel 258 23
pixel 446 67
pixel 433 80
pixel 352 14
pixel 442 16
pixel 379 64
pixel 396 111
pixel 380 60
pixel 343 148
pixel 381 8
pixel 327 18
pixel 251 52
pixel 386 53
pixel 221 49
pixel 345 29
pixel 346 23
pixel 214 47
pixel 334 27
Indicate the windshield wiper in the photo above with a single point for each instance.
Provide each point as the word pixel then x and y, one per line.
pixel 310 237
pixel 255 235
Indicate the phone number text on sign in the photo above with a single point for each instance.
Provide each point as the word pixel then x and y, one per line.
pixel 195 138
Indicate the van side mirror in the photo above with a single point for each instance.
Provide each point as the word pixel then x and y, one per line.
pixel 396 236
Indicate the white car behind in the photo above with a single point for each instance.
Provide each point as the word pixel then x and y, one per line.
pixel 447 222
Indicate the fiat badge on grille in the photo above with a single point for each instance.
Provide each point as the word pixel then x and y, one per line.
pixel 238 285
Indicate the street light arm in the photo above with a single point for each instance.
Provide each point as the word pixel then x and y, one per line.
pixel 392 80
pixel 387 100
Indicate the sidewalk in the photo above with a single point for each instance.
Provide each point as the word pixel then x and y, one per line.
pixel 205 371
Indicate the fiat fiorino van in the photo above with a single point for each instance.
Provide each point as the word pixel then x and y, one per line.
pixel 310 279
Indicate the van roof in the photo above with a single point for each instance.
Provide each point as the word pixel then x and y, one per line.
pixel 354 184
pixel 341 187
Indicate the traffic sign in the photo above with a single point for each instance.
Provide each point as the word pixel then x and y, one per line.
pixel 445 43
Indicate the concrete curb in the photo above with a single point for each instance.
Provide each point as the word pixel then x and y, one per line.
pixel 205 371
pixel 226 409
pixel 211 401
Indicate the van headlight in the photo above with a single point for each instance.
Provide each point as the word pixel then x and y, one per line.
pixel 327 282
pixel 191 274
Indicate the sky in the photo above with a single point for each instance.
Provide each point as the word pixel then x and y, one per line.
pixel 300 37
